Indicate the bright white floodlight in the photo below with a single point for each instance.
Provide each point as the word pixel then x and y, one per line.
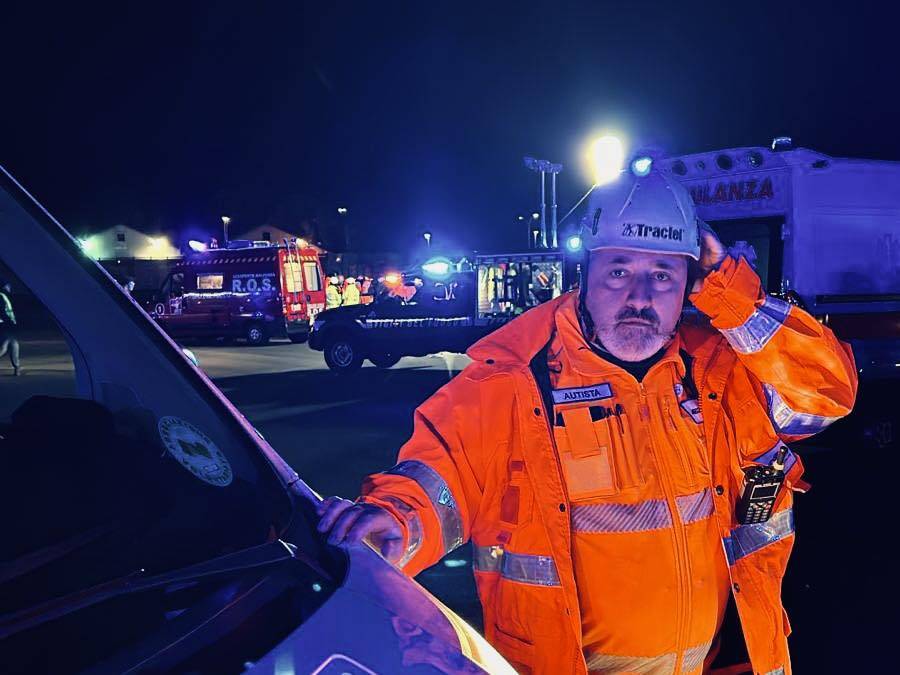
pixel 607 156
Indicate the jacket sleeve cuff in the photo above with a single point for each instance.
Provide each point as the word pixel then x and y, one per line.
pixel 729 294
pixel 409 522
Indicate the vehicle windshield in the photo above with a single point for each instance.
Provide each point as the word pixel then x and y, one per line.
pixel 121 461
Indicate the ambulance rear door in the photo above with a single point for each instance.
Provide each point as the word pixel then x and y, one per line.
pixel 313 282
pixel 744 204
pixel 303 290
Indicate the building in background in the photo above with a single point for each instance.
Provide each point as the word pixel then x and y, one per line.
pixel 129 254
pixel 122 241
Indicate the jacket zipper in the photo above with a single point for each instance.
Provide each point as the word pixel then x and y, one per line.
pixel 681 552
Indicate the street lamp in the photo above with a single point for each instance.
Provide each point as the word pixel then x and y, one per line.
pixel 607 154
pixel 427 236
pixel 226 221
pixel 342 210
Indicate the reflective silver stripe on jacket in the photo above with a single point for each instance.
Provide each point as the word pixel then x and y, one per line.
pixel 439 495
pixel 414 527
pixel 777 671
pixel 664 664
pixel 697 506
pixel 527 569
pixel 756 331
pixel 788 421
pixel 652 514
pixel 747 539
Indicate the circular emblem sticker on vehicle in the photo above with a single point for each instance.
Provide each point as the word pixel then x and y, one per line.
pixel 195 451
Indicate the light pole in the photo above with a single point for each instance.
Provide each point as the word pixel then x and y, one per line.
pixel 543 167
pixel 554 171
pixel 226 221
pixel 342 211
pixel 427 236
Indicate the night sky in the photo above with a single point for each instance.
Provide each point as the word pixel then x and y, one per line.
pixel 413 116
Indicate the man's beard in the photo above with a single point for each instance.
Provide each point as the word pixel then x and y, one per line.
pixel 634 336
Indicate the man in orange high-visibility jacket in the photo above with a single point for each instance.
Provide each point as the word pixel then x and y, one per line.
pixel 595 452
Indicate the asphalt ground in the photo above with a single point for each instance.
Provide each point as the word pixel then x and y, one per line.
pixel 841 586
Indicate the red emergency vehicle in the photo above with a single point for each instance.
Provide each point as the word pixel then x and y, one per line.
pixel 251 290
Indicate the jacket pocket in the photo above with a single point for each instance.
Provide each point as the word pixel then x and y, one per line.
pixel 596 452
pixel 518 652
pixel 625 455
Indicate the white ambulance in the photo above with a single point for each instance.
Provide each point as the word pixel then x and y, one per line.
pixel 825 232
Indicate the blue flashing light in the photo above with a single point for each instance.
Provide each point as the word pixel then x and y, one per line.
pixel 641 166
pixel 573 243
pixel 437 267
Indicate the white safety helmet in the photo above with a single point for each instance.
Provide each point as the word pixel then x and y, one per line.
pixel 642 213
pixel 351 280
pixel 333 279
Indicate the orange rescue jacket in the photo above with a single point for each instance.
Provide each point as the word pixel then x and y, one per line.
pixel 486 462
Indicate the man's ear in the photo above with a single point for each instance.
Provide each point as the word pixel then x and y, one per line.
pixel 693 273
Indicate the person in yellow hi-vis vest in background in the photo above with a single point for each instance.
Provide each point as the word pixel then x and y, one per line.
pixel 609 460
pixel 332 293
pixel 351 292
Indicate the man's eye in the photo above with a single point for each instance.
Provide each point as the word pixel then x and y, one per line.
pixel 617 273
pixel 661 276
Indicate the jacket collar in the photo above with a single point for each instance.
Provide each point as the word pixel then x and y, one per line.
pixel 519 341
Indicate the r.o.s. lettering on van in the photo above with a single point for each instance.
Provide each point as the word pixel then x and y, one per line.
pixel 253 283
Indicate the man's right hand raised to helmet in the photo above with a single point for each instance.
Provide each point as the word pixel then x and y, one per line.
pixel 350 522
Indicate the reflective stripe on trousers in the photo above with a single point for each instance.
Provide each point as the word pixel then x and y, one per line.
pixel 442 500
pixel 747 539
pixel 539 570
pixel 755 332
pixel 652 514
pixel 663 664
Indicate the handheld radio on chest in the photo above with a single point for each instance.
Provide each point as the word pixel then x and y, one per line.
pixel 761 487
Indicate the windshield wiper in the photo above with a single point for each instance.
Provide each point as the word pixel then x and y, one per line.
pixel 265 555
